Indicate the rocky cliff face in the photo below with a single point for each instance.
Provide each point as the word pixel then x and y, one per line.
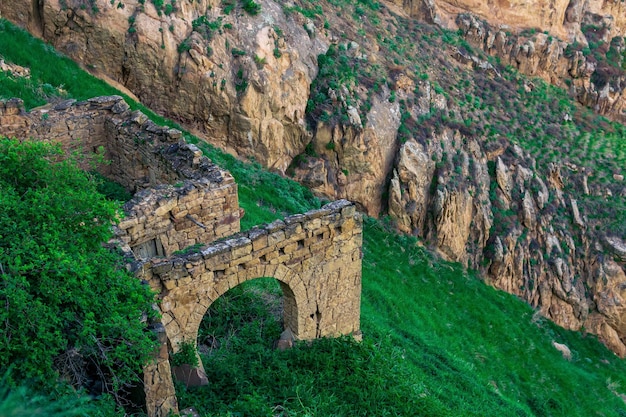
pixel 494 170
pixel 560 18
pixel 592 81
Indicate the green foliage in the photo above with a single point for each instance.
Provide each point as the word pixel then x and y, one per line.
pixel 251 7
pixel 110 189
pixel 241 82
pixel 337 72
pixel 33 92
pixel 310 12
pixel 206 27
pixel 260 62
pixel 70 304
pixel 186 355
pixel 52 74
pixel 189 249
pixel 184 46
pixel 21 401
pixel 237 52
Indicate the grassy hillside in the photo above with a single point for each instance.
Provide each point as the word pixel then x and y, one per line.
pixel 437 341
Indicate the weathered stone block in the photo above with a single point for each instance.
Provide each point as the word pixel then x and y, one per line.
pixel 170 284
pixel 241 247
pixel 275 226
pixel 162 268
pixel 275 237
pixel 290 248
pixel 312 224
pixel 241 260
pixel 215 249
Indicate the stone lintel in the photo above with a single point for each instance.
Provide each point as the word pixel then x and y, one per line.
pixel 293 229
pixel 237 241
pixel 338 205
pixel 258 237
pixel 316 214
pixel 296 218
pixel 104 102
pixel 215 249
pixel 162 268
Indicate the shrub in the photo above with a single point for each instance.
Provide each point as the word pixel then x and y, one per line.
pixel 237 52
pixel 70 307
pixel 184 46
pixel 251 7
pixel 186 355
pixel 259 61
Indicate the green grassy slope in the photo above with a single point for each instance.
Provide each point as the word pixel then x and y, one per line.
pixel 437 341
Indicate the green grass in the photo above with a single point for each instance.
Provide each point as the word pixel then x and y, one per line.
pixel 437 341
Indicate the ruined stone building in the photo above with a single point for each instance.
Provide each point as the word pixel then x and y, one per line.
pixel 181 200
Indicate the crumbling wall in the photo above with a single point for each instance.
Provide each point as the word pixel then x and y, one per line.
pixel 140 153
pixel 182 197
pixel 170 218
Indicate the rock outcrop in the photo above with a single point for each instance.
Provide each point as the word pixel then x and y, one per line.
pixel 596 85
pixel 561 18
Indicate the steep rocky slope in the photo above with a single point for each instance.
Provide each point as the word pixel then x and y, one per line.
pixel 358 100
pixel 561 18
pixel 592 70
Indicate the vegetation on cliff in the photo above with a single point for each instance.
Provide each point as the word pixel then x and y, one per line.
pixel 437 341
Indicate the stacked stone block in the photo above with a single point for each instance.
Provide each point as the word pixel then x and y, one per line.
pixel 175 217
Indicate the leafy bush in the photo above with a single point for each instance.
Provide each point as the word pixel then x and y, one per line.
pixel 185 356
pixel 70 308
pixel 251 7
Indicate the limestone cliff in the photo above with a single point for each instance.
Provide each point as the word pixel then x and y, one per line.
pixel 497 171
pixel 560 18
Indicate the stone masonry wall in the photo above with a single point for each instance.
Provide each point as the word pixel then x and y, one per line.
pixel 316 256
pixel 171 218
pixel 141 153
pixel 200 207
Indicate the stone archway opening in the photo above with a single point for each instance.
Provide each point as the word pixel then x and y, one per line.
pixel 252 318
pixel 250 313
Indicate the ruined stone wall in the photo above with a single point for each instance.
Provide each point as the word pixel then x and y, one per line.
pixel 316 256
pixel 199 207
pixel 170 218
pixel 141 153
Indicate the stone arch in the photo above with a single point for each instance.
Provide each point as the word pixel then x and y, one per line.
pixel 294 296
